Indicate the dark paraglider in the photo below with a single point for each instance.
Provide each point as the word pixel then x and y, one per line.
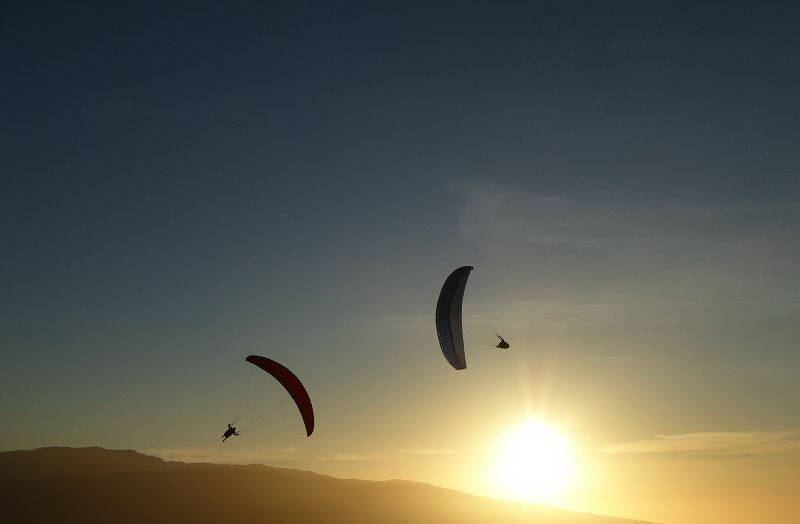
pixel 448 317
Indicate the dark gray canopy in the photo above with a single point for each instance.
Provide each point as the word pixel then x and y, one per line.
pixel 448 317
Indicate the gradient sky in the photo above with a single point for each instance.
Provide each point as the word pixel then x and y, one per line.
pixel 183 186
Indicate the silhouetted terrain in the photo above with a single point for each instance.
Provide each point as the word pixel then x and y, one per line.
pixel 98 486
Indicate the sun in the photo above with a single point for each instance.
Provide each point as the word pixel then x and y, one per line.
pixel 534 464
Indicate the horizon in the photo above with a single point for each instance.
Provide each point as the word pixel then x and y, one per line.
pixel 187 187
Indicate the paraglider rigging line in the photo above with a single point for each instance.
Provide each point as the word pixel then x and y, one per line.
pixel 255 399
pixel 252 424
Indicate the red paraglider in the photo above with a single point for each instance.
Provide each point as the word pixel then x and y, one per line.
pixel 293 386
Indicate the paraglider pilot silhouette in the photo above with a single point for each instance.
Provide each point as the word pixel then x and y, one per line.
pixel 502 344
pixel 229 432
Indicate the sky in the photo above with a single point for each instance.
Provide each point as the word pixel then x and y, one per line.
pixel 186 185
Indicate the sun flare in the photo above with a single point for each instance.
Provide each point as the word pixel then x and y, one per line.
pixel 534 464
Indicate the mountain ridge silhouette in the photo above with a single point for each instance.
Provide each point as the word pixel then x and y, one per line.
pixel 96 485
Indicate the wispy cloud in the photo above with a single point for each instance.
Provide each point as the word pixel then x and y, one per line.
pixel 675 258
pixel 380 455
pixel 495 216
pixel 723 443
pixel 258 454
pixel 215 454
pixel 631 306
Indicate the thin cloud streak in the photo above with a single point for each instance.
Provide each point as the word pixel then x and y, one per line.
pixel 252 455
pixel 715 444
pixel 500 217
pixel 676 259
pixel 589 310
pixel 214 454
pixel 381 455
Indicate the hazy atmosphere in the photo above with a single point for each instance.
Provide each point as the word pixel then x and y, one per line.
pixel 185 186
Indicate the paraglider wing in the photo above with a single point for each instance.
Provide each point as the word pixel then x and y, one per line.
pixel 448 317
pixel 293 386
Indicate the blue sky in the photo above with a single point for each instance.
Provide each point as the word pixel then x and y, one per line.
pixel 184 186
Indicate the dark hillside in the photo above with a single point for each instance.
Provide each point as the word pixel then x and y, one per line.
pixel 94 485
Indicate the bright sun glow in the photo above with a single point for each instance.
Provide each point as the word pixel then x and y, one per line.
pixel 534 464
